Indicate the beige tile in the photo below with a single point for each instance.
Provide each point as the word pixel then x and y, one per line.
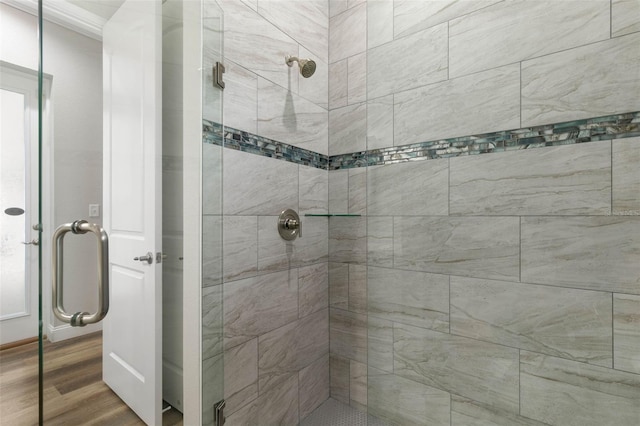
pixel 338 191
pixel 414 298
pixel 257 305
pixel 358 190
pixel 483 371
pixel 562 392
pixel 240 247
pixel 348 33
pixel 626 176
pixel 212 385
pixel 466 412
pixel 379 22
pixel 581 83
pixel 348 129
pixel 274 252
pixel 348 240
pixel 291 348
pixel 358 288
pixel 338 84
pixel 279 406
pixel 339 378
pixel 624 17
pixel 336 7
pixel 339 285
pixel 393 67
pixel 380 341
pixel 313 288
pixel 512 31
pixel 241 375
pixel 380 241
pixel 562 180
pixel 358 385
pixel 593 253
pixel 479 103
pixel 240 98
pixel 314 247
pixel 401 401
pixel 626 332
pixel 314 190
pixel 212 321
pixel 211 250
pixel 408 189
pixel 313 384
pixel 380 122
pixel 567 323
pixel 481 247
pixel 348 334
pixel 357 78
pixel 211 179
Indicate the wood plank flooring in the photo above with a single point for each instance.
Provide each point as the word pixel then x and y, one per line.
pixel 74 392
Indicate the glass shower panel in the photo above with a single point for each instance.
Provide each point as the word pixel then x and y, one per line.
pixel 212 343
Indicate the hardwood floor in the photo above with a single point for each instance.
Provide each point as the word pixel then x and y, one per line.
pixel 74 393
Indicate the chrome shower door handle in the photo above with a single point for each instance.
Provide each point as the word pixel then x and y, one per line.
pixel 80 319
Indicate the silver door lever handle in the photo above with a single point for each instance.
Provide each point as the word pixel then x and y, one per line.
pixel 34 242
pixel 147 258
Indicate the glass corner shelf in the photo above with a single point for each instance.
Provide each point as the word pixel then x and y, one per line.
pixel 331 215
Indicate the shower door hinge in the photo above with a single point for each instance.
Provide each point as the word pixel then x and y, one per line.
pixel 218 413
pixel 218 70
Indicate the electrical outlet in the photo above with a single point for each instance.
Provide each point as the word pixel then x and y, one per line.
pixel 94 210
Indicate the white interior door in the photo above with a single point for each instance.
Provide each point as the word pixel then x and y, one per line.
pixel 132 348
pixel 18 204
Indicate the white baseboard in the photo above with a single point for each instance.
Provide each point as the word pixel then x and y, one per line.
pixel 64 332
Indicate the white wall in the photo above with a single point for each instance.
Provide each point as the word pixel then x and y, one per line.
pixel 75 62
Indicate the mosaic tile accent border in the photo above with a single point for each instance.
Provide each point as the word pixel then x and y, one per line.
pixel 567 133
pixel 572 132
pixel 254 144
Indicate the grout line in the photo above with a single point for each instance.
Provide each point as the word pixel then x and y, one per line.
pixel 613 334
pixel 520 249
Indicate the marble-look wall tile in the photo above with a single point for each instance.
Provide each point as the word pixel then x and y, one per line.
pixel 307 22
pixel 348 334
pixel 467 412
pixel 358 190
pixel 212 321
pixel 357 78
pixel 479 247
pixel 358 385
pixel 358 288
pixel 562 180
pixel 348 240
pixel 380 122
pixel 316 88
pixel 247 415
pixel 581 83
pixel 593 253
pixel 336 7
pixel 286 117
pixel 626 176
pixel 626 332
pixel 314 190
pixel 557 392
pixel 410 16
pixel 338 84
pixel 314 247
pixel 274 252
pixel 279 406
pixel 379 22
pixel 348 33
pixel 313 382
pixel 291 348
pixel 411 188
pixel 380 241
pixel 406 402
pixel 624 17
pixel 240 247
pixel 414 298
pixel 339 385
pixel 211 179
pixel 241 375
pixel 211 250
pixel 348 129
pixel 338 191
pixel 339 285
pixel 482 371
pixel 255 185
pixel 257 305
pixel 393 67
pixel 482 103
pixel 510 32
pixel 244 30
pixel 313 288
pixel 380 341
pixel 568 323
pixel 212 385
pixel 240 98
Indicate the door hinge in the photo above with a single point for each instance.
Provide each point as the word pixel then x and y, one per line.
pixel 218 70
pixel 218 413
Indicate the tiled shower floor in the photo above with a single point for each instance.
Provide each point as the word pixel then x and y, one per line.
pixel 335 413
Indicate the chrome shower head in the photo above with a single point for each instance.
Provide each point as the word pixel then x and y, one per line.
pixel 307 66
